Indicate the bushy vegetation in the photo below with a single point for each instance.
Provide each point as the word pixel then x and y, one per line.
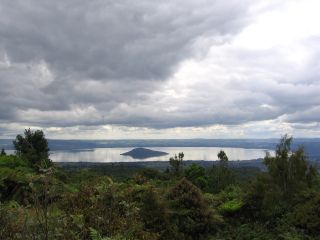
pixel 39 200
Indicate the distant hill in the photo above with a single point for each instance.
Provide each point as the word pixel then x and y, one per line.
pixel 143 153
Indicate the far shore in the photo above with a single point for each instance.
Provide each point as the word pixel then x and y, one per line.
pixel 161 165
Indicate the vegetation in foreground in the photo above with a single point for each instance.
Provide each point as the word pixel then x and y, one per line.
pixel 40 200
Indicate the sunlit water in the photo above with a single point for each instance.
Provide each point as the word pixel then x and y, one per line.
pixel 191 153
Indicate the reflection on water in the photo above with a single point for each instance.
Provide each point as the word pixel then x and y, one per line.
pixel 191 153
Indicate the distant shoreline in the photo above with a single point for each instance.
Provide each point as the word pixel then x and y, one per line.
pixel 257 163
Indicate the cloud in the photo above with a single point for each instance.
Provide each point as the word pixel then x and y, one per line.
pixel 112 40
pixel 160 66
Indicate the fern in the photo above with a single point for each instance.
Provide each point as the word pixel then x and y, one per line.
pixel 94 234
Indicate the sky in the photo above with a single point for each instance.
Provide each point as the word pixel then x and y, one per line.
pixel 103 69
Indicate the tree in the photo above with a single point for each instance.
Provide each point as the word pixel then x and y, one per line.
pixel 33 147
pixel 290 170
pixel 223 159
pixel 3 153
pixel 289 179
pixel 220 176
pixel 176 163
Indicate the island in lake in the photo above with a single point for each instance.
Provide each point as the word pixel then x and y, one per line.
pixel 143 153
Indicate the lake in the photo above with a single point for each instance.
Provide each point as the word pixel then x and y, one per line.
pixel 194 149
pixel 191 153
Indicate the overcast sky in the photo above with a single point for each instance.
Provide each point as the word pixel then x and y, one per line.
pixel 107 69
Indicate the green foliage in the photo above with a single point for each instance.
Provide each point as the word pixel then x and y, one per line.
pixel 11 220
pixel 14 184
pixel 289 184
pixel 306 214
pixel 94 235
pixel 12 161
pixel 232 206
pixel 145 175
pixel 33 147
pixel 220 176
pixel 232 198
pixel 290 170
pixel 189 211
pixel 153 213
pixel 115 203
pixel 197 175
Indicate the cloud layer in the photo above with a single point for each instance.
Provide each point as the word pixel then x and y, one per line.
pixel 160 69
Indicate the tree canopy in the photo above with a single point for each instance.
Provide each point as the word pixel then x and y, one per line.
pixel 289 169
pixel 33 147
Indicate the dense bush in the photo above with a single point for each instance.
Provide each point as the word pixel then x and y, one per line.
pixel 191 203
pixel 189 211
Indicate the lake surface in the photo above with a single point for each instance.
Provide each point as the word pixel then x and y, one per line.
pixel 191 153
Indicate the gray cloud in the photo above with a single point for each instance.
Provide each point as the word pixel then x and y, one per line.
pixel 149 64
pixel 100 53
pixel 112 40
